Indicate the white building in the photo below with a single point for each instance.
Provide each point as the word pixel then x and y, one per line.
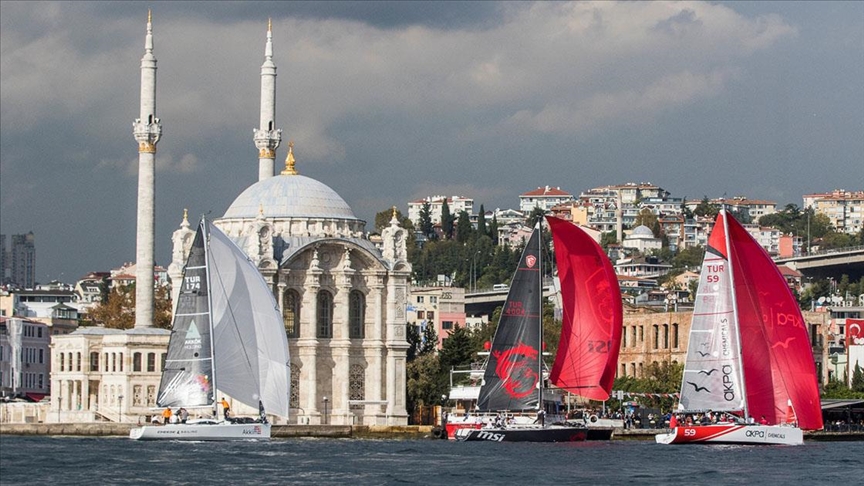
pixel 455 204
pixel 25 358
pixel 544 198
pixel 844 208
pixel 642 239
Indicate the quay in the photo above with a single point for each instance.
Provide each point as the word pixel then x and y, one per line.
pixel 112 429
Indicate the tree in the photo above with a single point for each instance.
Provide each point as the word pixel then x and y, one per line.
pixel 424 382
pixel 646 218
pixel 457 350
pixel 447 220
pixel 429 342
pixel 118 310
pixel 481 222
pixel 689 257
pixel 685 210
pixel 412 335
pixel 857 379
pixel 493 229
pixel 608 238
pixel 464 228
pixel 382 219
pixel 534 216
pixel 426 225
pixel 706 208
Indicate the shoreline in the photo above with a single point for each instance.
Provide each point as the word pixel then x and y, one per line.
pixel 110 429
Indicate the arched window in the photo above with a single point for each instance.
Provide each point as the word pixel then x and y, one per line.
pixel 94 361
pixel 665 336
pixel 656 336
pixel 623 370
pixel 136 362
pixel 291 313
pixel 325 314
pixel 675 343
pixel 151 362
pixel 356 315
pixel 78 361
pixel 62 361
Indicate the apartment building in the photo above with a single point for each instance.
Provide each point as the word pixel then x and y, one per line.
pixel 844 208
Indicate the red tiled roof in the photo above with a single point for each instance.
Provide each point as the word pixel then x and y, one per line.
pixel 547 191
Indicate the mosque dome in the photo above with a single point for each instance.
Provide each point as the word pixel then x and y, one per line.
pixel 289 195
pixel 642 232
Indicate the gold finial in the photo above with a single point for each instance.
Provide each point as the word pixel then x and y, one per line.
pixel 394 212
pixel 289 161
pixel 185 214
pixel 149 16
pixel 260 209
pixel 269 24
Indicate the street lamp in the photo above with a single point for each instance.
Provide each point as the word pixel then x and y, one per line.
pixel 120 406
pixel 326 421
pixel 474 271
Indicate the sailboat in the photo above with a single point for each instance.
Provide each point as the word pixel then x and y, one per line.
pixel 513 381
pixel 227 336
pixel 749 357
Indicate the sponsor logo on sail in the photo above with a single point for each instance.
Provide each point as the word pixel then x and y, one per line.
pixel 490 436
pixel 728 384
pixel 530 261
pixel 517 369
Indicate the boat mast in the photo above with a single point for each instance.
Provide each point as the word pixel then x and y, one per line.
pixel 735 309
pixel 210 313
pixel 538 228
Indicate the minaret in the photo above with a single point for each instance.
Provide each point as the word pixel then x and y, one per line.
pixel 267 137
pixel 147 130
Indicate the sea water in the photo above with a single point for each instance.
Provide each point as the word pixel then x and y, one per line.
pixel 76 460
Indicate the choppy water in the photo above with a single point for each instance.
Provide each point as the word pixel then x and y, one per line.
pixel 75 460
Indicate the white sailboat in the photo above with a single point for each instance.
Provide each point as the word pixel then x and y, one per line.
pixel 228 338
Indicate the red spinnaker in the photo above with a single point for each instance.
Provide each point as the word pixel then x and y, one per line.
pixel 592 319
pixel 775 347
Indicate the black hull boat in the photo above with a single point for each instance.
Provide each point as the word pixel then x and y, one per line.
pixel 552 433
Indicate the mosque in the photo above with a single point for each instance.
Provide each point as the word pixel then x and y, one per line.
pixel 343 300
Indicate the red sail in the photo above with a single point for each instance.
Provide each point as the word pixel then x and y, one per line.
pixel 775 347
pixel 592 319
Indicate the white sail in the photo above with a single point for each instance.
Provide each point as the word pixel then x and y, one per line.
pixel 250 346
pixel 712 370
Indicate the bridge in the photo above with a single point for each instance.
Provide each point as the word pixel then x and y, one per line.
pixel 829 263
pixel 484 302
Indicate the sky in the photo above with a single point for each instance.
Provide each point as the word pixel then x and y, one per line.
pixel 389 102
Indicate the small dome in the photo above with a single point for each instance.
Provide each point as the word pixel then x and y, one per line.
pixel 642 231
pixel 289 196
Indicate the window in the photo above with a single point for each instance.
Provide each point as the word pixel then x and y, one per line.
pixel 162 361
pixel 419 299
pixel 656 341
pixel 325 314
pixel 433 299
pixel 447 325
pixel 291 313
pixel 62 361
pixel 77 361
pixel 42 355
pixel 357 384
pixel 675 342
pixel 430 315
pixel 356 315
pixel 665 336
pixel 39 334
pixel 421 314
pixel 113 361
pixel 120 361
pixel 41 380
pixel 136 362
pixel 94 361
pixel 151 361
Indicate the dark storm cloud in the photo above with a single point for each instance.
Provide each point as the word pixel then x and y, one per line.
pixel 392 101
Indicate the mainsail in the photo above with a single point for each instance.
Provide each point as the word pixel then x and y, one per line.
pixel 712 377
pixel 225 299
pixel 187 376
pixel 512 377
pixel 592 314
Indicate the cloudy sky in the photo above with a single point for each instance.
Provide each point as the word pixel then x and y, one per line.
pixel 388 102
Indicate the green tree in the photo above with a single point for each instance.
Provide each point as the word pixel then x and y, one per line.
pixel 457 350
pixel 493 229
pixel 481 222
pixel 534 216
pixel 447 220
pixel 857 379
pixel 706 208
pixel 464 228
pixel 382 219
pixel 118 311
pixel 429 342
pixel 425 222
pixel 608 238
pixel 424 382
pixel 685 210
pixel 645 218
pixel 412 335
pixel 690 257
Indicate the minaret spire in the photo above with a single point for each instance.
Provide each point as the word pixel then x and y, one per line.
pixel 147 130
pixel 267 137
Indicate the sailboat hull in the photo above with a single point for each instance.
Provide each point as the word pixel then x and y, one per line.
pixel 733 434
pixel 552 433
pixel 202 431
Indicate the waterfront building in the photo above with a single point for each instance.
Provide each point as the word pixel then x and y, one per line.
pixel 844 208
pixel 25 358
